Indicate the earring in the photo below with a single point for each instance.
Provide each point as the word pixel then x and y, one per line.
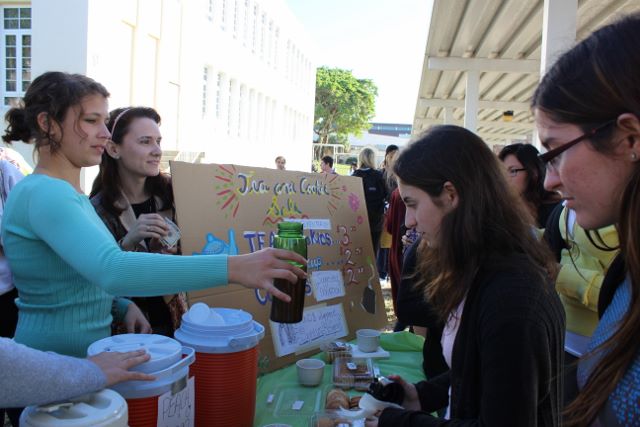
pixel 634 156
pixel 116 156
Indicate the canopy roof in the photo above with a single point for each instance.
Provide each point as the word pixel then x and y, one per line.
pixel 502 40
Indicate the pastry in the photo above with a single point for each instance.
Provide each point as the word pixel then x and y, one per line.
pixel 337 399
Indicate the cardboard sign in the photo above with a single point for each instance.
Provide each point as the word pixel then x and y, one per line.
pixel 229 209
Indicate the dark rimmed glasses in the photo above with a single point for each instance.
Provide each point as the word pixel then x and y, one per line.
pixel 514 172
pixel 551 157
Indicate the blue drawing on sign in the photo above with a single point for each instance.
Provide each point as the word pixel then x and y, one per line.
pixel 216 246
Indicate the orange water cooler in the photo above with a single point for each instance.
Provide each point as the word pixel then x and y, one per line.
pixel 226 366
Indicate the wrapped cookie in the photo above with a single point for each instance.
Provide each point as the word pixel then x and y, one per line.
pixel 337 399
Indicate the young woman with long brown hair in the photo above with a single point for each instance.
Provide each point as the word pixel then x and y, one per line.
pixel 587 111
pixel 486 274
pixel 133 198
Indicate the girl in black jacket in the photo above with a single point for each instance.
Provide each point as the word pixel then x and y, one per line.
pixel 487 277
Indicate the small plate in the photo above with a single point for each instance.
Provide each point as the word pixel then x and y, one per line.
pixel 380 353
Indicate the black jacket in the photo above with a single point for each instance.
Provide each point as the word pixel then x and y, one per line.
pixel 507 356
pixel 414 309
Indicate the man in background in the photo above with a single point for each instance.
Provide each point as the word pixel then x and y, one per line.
pixel 281 163
pixel 326 165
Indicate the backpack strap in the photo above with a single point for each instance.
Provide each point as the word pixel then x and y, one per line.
pixel 552 234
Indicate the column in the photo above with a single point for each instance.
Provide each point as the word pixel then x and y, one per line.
pixel 559 23
pixel 471 100
pixel 558 30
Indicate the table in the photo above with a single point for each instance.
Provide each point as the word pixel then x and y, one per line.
pixel 405 360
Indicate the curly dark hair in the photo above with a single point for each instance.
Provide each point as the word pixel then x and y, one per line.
pixel 53 93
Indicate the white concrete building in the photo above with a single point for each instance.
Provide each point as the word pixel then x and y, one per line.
pixel 234 80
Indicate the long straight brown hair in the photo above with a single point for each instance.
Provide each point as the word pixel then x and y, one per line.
pixel 108 181
pixel 595 82
pixel 489 223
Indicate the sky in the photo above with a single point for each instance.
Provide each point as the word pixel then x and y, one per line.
pixel 381 40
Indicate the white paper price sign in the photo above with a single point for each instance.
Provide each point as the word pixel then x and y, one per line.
pixel 176 408
pixel 327 284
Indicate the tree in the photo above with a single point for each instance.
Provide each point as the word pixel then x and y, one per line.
pixel 344 105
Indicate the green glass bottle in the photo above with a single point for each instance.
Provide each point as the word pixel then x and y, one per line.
pixel 290 237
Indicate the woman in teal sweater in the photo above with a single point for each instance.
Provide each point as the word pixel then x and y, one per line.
pixel 66 264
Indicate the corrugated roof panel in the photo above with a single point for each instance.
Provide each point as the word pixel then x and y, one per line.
pixel 495 29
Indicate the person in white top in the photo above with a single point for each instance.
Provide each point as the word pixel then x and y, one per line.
pixel 9 176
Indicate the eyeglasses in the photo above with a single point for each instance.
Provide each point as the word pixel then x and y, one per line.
pixel 514 172
pixel 551 157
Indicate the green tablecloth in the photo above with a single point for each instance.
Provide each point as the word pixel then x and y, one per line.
pixel 405 360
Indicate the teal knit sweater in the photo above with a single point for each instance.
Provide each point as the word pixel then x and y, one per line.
pixel 67 267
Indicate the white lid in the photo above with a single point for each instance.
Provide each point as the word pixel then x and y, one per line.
pixel 105 408
pixel 164 351
pixel 218 330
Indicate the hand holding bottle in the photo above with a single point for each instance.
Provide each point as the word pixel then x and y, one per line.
pixel 258 270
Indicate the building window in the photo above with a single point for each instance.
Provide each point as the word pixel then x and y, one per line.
pixel 270 43
pixel 236 17
pixel 245 29
pixel 242 101
pixel 210 10
pixel 218 95
pixel 275 48
pixel 229 106
pixel 223 15
pixel 263 34
pixel 286 60
pixel 256 22
pixel 16 47
pixel 205 89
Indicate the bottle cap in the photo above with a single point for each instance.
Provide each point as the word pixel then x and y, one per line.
pixel 289 226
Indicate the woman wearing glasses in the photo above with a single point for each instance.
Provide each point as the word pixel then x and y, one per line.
pixel 525 174
pixel 587 111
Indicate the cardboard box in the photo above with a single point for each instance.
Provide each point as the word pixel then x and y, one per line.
pixel 234 210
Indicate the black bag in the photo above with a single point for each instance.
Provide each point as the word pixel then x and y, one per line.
pixel 374 189
pixel 552 234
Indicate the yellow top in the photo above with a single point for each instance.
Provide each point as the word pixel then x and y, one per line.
pixel 582 270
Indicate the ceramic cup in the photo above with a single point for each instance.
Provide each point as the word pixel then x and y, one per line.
pixel 310 371
pixel 368 340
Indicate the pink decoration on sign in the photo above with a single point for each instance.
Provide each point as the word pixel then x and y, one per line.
pixel 354 202
pixel 360 219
